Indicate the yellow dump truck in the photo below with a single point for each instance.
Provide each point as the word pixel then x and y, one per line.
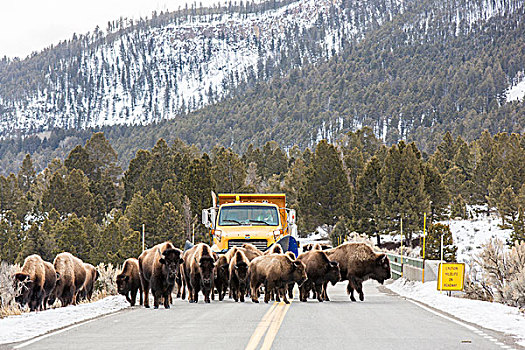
pixel 259 219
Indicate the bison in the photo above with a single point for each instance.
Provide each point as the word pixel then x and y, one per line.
pixel 238 271
pixel 89 284
pixel 274 249
pixel 128 281
pixel 72 275
pixel 199 271
pixel 358 262
pixel 158 269
pixel 222 277
pixel 275 271
pixel 320 270
pixel 34 283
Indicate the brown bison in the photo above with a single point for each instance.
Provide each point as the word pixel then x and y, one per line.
pixel 239 265
pixel 89 284
pixel 320 270
pixel 248 249
pixel 274 249
pixel 199 272
pixel 72 275
pixel 34 283
pixel 158 269
pixel 316 246
pixel 222 276
pixel 358 262
pixel 275 271
pixel 128 281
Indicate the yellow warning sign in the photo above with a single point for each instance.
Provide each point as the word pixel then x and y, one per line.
pixel 451 276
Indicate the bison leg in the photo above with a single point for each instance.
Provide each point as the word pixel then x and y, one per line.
pixel 325 294
pixel 283 291
pixel 290 290
pixel 129 298
pixel 359 289
pixel 268 291
pixel 350 289
pixel 133 298
pixel 253 287
pixel 319 291
pixel 141 297
pixel 145 291
pixel 167 300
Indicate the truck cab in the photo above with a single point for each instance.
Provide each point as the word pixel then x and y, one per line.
pixel 259 219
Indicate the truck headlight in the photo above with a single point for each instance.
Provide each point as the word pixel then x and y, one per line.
pixel 277 234
pixel 218 234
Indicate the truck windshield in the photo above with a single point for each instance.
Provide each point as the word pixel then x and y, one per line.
pixel 249 215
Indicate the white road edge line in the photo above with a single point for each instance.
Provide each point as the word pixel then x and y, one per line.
pixel 469 327
pixel 47 335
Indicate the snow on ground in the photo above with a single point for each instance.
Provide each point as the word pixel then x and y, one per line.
pixel 493 316
pixel 29 325
pixel 469 235
pixel 516 92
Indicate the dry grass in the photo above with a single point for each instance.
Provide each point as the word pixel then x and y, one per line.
pixel 8 305
pixel 106 284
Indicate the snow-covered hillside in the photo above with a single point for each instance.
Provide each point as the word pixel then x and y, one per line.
pixel 147 71
pixel 470 235
pixel 151 73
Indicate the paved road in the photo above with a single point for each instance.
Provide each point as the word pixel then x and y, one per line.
pixel 383 321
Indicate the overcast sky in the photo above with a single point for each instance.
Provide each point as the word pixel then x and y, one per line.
pixel 31 25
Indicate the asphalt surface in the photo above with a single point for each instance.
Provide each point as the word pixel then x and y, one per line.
pixel 383 321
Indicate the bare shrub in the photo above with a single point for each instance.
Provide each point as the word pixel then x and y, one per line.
pixel 498 274
pixel 8 305
pixel 106 283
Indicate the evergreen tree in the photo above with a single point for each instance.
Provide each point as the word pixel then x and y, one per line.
pixel 10 238
pixel 132 175
pixel 436 190
pixel 433 243
pixel 458 208
pixel 367 201
pixel 38 241
pixel 170 225
pixel 103 157
pixel 70 237
pixel 507 205
pixel 228 170
pixel 78 199
pixel 326 196
pixel 26 175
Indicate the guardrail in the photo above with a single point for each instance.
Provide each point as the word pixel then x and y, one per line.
pixel 399 263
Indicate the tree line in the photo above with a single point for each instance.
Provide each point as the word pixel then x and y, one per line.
pixel 88 205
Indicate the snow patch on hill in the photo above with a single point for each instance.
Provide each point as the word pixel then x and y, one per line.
pixel 470 235
pixel 516 92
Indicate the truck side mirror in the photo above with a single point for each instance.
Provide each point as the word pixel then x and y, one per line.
pixel 291 216
pixel 206 218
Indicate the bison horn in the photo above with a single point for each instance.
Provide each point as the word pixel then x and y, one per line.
pixel 334 263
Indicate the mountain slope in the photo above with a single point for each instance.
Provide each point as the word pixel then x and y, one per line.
pixel 147 72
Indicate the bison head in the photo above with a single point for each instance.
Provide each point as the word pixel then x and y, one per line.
pixel 22 285
pixel 334 274
pixel 207 271
pixel 171 261
pixel 241 269
pixel 123 284
pixel 299 272
pixel 381 270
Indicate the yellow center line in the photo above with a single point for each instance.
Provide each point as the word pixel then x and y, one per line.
pixel 274 327
pixel 271 321
pixel 261 328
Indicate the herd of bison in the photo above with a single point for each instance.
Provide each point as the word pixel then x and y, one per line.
pixel 242 271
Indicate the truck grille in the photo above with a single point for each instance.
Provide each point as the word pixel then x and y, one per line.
pixel 261 244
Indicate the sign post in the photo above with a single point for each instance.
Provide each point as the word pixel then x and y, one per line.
pixel 451 276
pixel 401 247
pixel 143 235
pixel 424 242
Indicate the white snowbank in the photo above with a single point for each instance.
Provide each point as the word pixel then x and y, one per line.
pixel 516 92
pixel 29 325
pixel 493 316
